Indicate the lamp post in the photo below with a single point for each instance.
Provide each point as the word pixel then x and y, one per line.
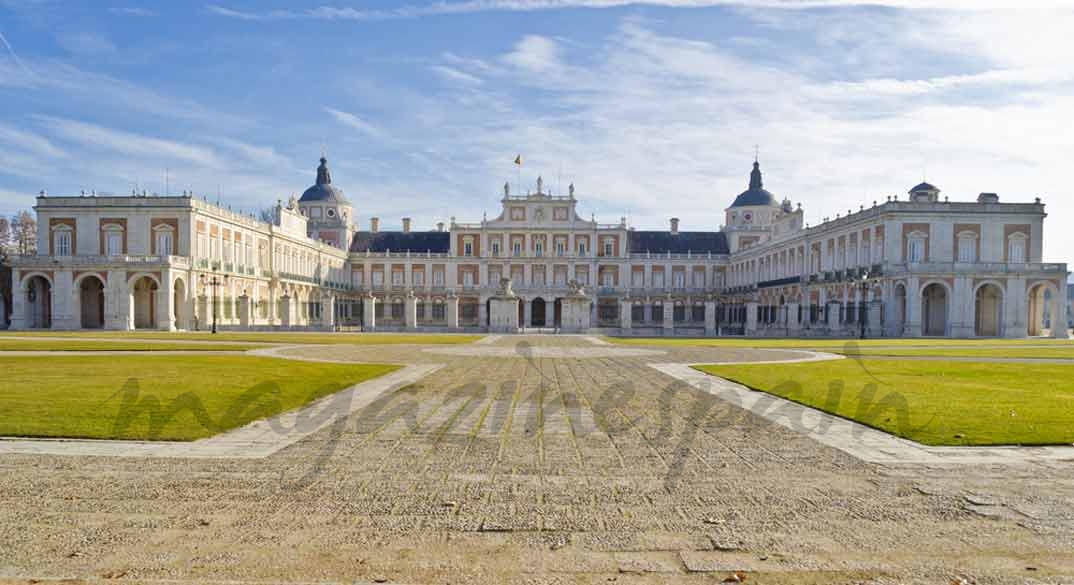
pixel 215 283
pixel 863 309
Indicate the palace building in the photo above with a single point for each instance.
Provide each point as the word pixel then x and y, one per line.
pixel 903 267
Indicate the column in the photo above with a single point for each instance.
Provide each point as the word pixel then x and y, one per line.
pixel 3 314
pixel 834 326
pixel 452 311
pixel 18 302
pixel 285 311
pixel 244 310
pixel 1015 308
pixel 710 316
pixel 329 308
pixel 625 305
pixel 794 325
pixel 369 312
pixel 751 317
pixel 527 311
pixel 483 311
pixel 873 325
pixel 669 315
pixel 1059 313
pixel 165 303
pixel 410 310
pixel 962 308
pixel 64 297
pixel 272 304
pixel 912 321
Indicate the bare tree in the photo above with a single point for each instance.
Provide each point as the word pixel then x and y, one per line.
pixel 5 235
pixel 24 232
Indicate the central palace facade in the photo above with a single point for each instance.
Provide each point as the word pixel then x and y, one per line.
pixel 917 266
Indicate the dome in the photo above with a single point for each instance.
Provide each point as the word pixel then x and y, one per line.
pixel 756 194
pixel 323 189
pixel 924 187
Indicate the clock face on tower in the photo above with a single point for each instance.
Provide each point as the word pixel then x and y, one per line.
pixel 747 217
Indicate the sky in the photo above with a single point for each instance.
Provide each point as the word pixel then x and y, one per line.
pixel 653 109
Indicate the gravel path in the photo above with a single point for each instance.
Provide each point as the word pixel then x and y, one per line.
pixel 534 469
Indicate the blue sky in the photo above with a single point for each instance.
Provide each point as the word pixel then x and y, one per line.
pixel 651 108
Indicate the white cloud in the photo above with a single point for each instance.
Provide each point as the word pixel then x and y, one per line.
pixel 442 8
pixel 454 75
pixel 29 142
pixel 354 122
pixel 128 143
pixel 535 54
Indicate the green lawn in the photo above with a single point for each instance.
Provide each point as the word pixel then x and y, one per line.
pixel 266 337
pixel 824 343
pixel 1014 351
pixel 82 396
pixel 118 345
pixel 932 402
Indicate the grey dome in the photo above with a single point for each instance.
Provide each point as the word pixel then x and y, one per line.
pixel 924 187
pixel 756 195
pixel 323 189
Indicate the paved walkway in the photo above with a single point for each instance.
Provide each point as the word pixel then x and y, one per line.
pixel 538 470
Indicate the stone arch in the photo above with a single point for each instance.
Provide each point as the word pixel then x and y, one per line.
pixel 538 312
pixel 143 292
pixel 935 298
pixel 179 304
pixel 988 309
pixel 37 290
pixel 91 293
pixel 1036 304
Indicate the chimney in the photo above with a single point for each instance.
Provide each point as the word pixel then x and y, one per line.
pixel 674 225
pixel 374 224
pixel 406 225
pixel 439 226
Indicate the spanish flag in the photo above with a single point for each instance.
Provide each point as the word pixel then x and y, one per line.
pixel 518 160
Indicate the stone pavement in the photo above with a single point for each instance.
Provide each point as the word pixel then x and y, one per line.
pixel 535 469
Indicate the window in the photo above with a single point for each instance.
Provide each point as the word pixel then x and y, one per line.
pixel 517 248
pixel 658 279
pixel 581 248
pixel 637 279
pixel 357 278
pixel 967 247
pixel 419 310
pixel 915 248
pixel 418 278
pixel 113 242
pixel 538 248
pixel 607 279
pixel 699 279
pixel 1016 248
pixel 397 278
pixel 61 241
pixel 608 245
pixel 378 279
pixel 439 314
pixel 468 248
pixel 495 247
pixel 561 248
pixel 679 279
pixel 637 313
pixel 330 212
pixel 438 278
pixel 468 278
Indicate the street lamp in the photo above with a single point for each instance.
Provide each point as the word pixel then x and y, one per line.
pixel 863 310
pixel 214 282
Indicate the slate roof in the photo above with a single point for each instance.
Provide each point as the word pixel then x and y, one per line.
pixel 662 242
pixel 414 242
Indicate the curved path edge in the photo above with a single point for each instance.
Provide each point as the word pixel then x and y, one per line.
pixel 256 440
pixel 855 439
